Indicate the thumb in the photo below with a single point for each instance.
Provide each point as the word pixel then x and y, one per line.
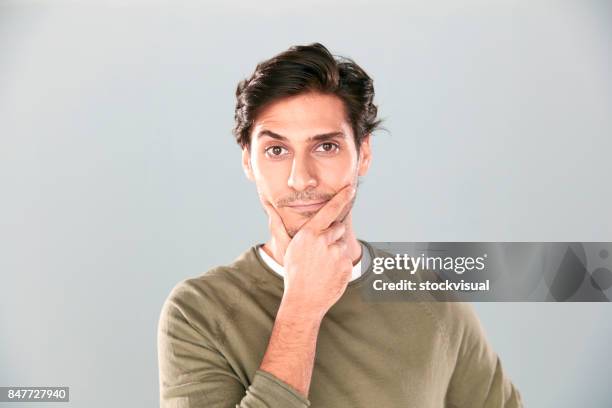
pixel 277 227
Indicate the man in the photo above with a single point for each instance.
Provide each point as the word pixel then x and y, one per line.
pixel 284 325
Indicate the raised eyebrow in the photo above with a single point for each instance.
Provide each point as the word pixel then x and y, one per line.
pixel 273 135
pixel 327 136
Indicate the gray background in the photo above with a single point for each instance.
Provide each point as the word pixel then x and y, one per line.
pixel 119 176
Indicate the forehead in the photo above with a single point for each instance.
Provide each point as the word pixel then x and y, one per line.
pixel 299 117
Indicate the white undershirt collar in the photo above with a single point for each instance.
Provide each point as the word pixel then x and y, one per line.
pixel 357 269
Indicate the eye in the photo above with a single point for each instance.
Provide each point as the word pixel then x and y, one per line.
pixel 328 147
pixel 275 151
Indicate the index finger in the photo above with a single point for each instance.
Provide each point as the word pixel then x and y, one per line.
pixel 332 210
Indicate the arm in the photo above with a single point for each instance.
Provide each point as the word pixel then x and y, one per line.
pixel 291 350
pixel 317 270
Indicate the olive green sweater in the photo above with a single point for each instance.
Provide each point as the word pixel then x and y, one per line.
pixel 214 330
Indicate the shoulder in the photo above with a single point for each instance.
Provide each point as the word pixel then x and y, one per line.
pixel 202 299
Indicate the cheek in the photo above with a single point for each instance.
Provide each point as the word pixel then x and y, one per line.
pixel 338 172
pixel 271 182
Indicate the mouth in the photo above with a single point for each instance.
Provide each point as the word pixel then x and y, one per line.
pixel 307 207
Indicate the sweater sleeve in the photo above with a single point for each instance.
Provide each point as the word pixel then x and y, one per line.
pixel 478 380
pixel 193 374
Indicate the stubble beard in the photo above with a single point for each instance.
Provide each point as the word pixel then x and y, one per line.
pixel 291 231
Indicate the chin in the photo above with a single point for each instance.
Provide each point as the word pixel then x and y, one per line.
pixel 294 226
pixel 296 220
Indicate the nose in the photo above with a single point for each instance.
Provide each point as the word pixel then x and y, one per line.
pixel 302 175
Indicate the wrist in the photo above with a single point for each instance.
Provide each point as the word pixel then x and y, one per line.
pixel 292 308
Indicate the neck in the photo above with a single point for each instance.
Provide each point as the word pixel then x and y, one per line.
pixel 354 247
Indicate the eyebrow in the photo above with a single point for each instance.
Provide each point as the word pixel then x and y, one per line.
pixel 323 136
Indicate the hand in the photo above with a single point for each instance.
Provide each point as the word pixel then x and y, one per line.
pixel 316 261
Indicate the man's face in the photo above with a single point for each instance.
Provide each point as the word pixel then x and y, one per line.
pixel 302 153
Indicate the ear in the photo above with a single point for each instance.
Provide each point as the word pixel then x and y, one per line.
pixel 246 163
pixel 365 156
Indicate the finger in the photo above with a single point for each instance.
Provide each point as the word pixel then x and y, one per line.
pixel 332 209
pixel 341 244
pixel 335 232
pixel 276 225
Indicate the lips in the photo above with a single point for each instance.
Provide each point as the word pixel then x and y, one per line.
pixel 307 206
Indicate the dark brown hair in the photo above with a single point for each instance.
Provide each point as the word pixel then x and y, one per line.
pixel 306 68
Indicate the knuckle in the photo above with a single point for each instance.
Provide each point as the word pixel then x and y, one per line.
pixel 335 251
